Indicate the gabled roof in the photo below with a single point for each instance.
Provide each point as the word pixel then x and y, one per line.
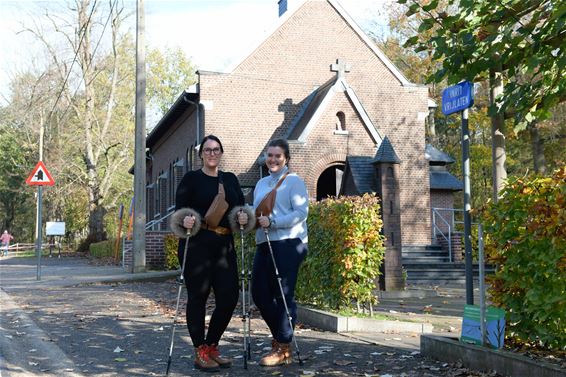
pixel 342 12
pixel 434 155
pixel 315 105
pixel 443 180
pixel 363 173
pixel 186 99
pixel 386 153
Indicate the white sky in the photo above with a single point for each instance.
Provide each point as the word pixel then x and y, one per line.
pixel 213 33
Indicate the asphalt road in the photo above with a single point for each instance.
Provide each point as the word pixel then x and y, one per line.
pixel 65 327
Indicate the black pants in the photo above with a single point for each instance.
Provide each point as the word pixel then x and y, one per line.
pixel 265 289
pixel 211 263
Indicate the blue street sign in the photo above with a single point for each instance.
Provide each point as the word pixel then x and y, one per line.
pixel 457 97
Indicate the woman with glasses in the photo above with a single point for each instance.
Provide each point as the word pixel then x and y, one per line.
pixel 286 227
pixel 211 259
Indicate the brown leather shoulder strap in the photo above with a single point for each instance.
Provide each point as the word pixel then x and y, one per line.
pixel 281 181
pixel 221 184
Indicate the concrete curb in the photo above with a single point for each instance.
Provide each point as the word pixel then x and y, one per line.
pixel 409 293
pixel 484 359
pixel 336 323
pixel 51 360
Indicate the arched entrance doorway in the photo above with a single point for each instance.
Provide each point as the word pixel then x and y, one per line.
pixel 329 182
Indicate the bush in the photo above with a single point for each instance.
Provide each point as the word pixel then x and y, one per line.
pixel 527 243
pixel 170 245
pixel 345 252
pixel 102 249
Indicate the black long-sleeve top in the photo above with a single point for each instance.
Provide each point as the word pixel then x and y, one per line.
pixel 197 191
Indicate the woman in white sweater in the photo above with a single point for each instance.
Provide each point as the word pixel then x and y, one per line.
pixel 286 226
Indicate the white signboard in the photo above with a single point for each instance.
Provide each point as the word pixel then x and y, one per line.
pixel 54 228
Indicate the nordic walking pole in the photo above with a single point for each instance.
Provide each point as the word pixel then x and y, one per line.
pixel 266 231
pixel 244 313
pixel 180 282
pixel 249 281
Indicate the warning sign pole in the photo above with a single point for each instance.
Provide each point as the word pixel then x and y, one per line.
pixel 39 244
pixel 39 177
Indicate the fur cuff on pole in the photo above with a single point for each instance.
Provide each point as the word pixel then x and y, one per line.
pixel 176 223
pixel 233 218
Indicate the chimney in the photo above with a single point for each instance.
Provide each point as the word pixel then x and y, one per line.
pixel 282 7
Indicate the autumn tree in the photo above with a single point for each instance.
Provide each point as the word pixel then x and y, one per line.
pixel 84 100
pixel 517 45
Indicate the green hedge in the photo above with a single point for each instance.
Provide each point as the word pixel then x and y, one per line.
pixel 346 250
pixel 102 249
pixel 526 240
pixel 171 243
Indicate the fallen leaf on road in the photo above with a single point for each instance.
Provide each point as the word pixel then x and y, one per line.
pixel 120 359
pixel 32 363
pixel 118 349
pixel 343 363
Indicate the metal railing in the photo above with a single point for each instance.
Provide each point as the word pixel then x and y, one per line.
pixel 436 229
pixel 150 225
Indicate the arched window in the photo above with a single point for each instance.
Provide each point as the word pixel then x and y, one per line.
pixel 340 121
pixel 390 173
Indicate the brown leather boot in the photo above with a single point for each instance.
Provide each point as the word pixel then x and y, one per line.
pixel 215 355
pixel 280 354
pixel 203 361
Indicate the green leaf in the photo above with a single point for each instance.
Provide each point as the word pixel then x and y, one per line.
pixel 432 5
pixel 414 8
pixel 411 41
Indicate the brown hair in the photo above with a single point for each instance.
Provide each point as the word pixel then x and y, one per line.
pixel 205 139
pixel 283 144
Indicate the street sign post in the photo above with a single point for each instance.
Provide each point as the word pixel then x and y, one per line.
pixel 39 177
pixel 457 98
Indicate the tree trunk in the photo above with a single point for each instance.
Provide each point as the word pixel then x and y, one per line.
pixel 96 230
pixel 497 132
pixel 537 144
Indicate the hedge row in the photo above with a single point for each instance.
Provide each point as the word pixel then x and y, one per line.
pixel 527 243
pixel 346 250
pixel 102 249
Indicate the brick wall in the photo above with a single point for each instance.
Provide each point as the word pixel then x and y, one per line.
pixel 154 253
pixel 456 243
pixel 442 199
pixel 258 100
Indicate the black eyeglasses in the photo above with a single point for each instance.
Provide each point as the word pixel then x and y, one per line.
pixel 212 150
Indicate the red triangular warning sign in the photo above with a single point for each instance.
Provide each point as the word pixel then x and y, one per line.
pixel 40 176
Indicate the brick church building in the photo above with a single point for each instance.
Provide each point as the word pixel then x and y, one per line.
pixel 320 82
